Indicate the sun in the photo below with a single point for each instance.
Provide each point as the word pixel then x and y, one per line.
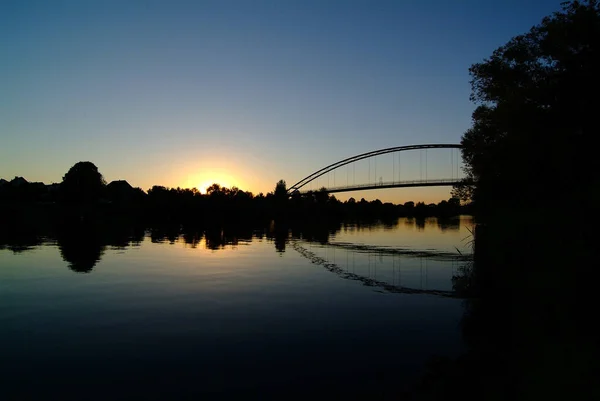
pixel 207 177
pixel 205 184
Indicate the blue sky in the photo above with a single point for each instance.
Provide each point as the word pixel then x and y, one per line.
pixel 184 93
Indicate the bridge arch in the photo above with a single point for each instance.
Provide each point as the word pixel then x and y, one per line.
pixel 296 187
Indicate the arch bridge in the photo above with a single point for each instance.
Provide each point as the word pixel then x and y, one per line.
pixel 454 178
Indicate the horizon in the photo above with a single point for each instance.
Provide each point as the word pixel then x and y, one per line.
pixel 344 197
pixel 243 94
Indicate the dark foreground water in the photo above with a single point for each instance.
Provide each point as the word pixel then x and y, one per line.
pixel 357 313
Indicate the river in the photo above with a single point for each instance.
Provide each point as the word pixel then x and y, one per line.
pixel 261 314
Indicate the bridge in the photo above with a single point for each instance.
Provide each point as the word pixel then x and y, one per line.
pixel 395 180
pixel 382 268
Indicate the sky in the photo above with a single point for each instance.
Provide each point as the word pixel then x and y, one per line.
pixel 243 93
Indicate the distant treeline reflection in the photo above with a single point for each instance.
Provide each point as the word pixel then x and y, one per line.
pixel 82 243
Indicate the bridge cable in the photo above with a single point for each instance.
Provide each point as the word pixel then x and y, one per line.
pixel 451 164
pixel 399 265
pixel 458 163
pixel 454 162
pixel 393 168
pixel 421 272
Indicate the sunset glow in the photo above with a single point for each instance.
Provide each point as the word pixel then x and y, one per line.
pixel 168 107
pixel 202 187
pixel 206 178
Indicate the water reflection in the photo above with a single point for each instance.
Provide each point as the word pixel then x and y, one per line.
pixel 82 244
pixel 449 224
pixel 391 282
pixel 279 235
pixel 218 238
pixel 81 248
pixel 444 224
pixel 221 238
pixel 391 256
pixel 20 239
pixel 300 303
pixel 320 233
pixel 162 234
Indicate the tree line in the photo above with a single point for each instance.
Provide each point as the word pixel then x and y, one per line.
pixel 84 191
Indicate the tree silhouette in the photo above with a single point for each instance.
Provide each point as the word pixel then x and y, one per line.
pixel 281 198
pixel 281 188
pixel 280 193
pixel 82 183
pixel 532 139
pixel 535 122
pixel 214 189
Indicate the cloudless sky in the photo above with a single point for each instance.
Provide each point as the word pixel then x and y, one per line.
pixel 185 93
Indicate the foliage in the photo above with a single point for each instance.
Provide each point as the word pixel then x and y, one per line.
pixel 530 151
pixel 82 183
pixel 281 189
pixel 535 119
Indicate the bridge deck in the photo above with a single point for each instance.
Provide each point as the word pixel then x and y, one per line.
pixel 393 184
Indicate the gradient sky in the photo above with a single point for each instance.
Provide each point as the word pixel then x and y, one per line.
pixel 185 93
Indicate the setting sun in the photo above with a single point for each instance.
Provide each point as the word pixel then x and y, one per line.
pixel 202 187
pixel 206 178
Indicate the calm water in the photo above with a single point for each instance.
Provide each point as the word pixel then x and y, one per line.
pixel 178 317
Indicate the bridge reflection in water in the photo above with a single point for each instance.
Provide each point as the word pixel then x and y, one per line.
pixel 393 270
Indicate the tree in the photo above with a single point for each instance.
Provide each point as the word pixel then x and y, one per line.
pixel 322 196
pixel 532 139
pixel 281 189
pixel 82 183
pixel 280 196
pixel 454 202
pixel 214 189
pixel 463 191
pixel 535 121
